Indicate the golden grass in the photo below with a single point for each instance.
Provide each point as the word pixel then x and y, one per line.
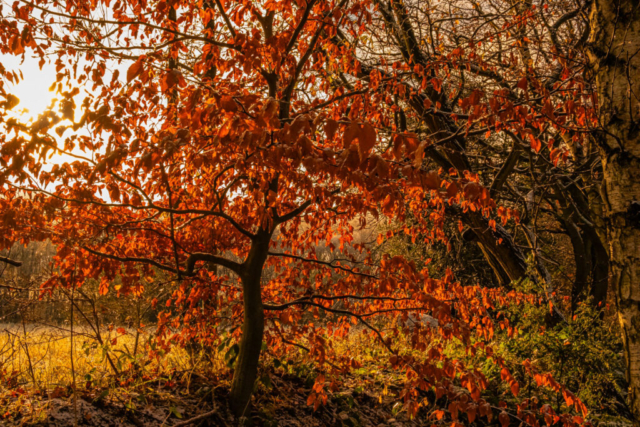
pixel 42 356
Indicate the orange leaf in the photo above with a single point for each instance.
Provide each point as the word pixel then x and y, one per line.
pixel 134 70
pixel 398 142
pixel 311 399
pixel 169 80
pixel 367 140
pixel 504 419
pixel 535 143
pixel 515 388
pixel 419 155
pixel 471 412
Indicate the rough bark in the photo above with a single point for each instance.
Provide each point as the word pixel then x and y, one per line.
pixel 614 54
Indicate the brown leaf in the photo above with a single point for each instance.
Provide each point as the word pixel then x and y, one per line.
pixel 432 180
pixel 330 128
pixel 350 134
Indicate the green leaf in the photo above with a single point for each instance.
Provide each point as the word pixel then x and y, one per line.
pixel 102 395
pixel 231 355
pixel 175 412
pixel 266 380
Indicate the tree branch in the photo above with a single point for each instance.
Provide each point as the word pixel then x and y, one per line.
pixel 226 18
pixel 294 213
pixel 131 259
pixel 221 261
pixel 325 263
pixel 10 261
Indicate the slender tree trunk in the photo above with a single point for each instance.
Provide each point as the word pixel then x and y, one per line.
pixel 499 247
pixel 614 52
pixel 246 368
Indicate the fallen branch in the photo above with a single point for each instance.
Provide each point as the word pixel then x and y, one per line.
pixel 213 413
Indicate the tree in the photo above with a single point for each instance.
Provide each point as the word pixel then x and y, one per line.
pixel 245 134
pixel 481 70
pixel 613 49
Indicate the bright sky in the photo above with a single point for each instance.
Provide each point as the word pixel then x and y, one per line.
pixel 34 95
pixel 33 91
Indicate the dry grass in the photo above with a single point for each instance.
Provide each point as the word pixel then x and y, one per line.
pixel 41 356
pixel 35 361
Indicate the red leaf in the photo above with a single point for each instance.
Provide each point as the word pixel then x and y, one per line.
pixel 367 140
pixel 452 190
pixel 432 180
pixel 522 84
pixel 350 134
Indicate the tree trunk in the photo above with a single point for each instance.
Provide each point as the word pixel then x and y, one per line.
pixel 246 368
pixel 614 55
pixel 499 246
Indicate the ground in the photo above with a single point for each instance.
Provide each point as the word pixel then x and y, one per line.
pixel 170 403
pixel 36 375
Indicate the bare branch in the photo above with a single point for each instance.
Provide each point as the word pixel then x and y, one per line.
pixel 325 263
pixel 10 261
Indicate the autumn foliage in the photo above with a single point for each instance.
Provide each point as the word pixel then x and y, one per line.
pixel 248 154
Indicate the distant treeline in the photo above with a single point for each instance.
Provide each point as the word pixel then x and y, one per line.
pixel 21 299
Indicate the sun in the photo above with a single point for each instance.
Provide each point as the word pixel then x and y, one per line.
pixel 33 89
pixel 34 94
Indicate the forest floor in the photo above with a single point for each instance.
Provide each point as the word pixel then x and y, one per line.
pixel 172 403
pixel 36 373
pixel 119 386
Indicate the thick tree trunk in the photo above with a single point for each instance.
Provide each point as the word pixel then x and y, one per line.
pixel 246 368
pixel 615 56
pixel 600 272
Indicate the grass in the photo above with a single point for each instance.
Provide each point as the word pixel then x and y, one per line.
pixel 41 356
pixel 37 373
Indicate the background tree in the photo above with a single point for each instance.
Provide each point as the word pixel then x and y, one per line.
pixel 497 89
